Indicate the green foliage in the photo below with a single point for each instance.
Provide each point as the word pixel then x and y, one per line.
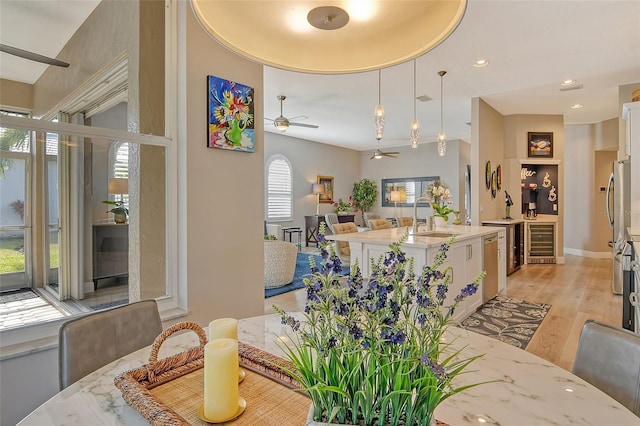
pixel 11 140
pixel 365 192
pixel 119 207
pixel 370 352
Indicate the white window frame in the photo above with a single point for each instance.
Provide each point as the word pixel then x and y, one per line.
pixel 280 193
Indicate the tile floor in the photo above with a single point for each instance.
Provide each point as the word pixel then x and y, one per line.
pixel 25 307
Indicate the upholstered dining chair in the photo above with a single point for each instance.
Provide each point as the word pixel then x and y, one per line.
pixel 367 216
pixel 331 219
pixel 609 358
pixel 94 340
pixel 379 224
pixel 342 247
pixel 404 221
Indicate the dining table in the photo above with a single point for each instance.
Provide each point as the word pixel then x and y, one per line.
pixel 522 389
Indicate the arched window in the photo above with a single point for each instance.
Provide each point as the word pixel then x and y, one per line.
pixel 279 193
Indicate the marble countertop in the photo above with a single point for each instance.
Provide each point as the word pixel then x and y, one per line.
pixel 529 391
pixel 503 221
pixel 388 236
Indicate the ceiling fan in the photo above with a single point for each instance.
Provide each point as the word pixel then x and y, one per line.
pixel 32 56
pixel 282 123
pixel 378 153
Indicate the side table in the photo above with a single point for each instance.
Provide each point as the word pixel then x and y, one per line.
pixel 293 230
pixel 312 225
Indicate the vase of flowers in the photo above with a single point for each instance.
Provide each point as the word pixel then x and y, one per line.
pixel 369 351
pixel 343 207
pixel 440 201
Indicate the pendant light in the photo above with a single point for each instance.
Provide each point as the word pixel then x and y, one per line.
pixel 442 137
pixel 414 135
pixel 378 113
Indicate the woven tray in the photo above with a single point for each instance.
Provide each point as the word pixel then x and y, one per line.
pixel 170 391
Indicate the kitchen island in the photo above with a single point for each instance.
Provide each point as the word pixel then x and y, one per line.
pixel 465 256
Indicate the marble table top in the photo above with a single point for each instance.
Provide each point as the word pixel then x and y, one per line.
pixel 530 391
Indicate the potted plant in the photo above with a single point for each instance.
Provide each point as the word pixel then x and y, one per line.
pixel 345 207
pixel 120 212
pixel 440 199
pixel 365 193
pixel 370 352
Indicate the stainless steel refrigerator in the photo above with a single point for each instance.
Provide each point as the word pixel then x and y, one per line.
pixel 619 214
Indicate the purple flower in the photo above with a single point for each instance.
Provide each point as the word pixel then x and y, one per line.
pixel 468 290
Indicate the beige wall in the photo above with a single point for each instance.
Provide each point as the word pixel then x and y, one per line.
pixel 110 30
pixel 308 161
pixel 224 192
pixel 16 94
pixel 490 144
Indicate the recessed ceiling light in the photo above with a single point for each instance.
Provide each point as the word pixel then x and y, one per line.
pixel 568 82
pixel 481 419
pixel 481 63
pixel 569 389
pixel 576 106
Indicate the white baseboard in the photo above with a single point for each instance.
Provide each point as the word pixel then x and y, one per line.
pixel 585 253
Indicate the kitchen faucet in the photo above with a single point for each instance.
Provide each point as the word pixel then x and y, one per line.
pixel 415 212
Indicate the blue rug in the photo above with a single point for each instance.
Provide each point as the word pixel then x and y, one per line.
pixel 302 269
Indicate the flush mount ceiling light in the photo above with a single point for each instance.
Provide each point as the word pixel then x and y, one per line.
pixel 481 63
pixel 442 137
pixel 330 37
pixel 567 82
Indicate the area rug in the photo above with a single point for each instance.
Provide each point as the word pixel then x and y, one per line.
pixel 109 304
pixel 511 321
pixel 302 269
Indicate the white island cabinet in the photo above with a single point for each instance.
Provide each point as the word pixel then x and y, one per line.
pixel 465 255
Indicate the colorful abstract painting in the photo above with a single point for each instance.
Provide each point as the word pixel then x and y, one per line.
pixel 230 110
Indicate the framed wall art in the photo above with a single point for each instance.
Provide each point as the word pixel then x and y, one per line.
pixel 230 115
pixel 327 196
pixel 540 144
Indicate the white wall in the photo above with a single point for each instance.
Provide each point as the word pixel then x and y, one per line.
pixel 309 160
pixel 419 162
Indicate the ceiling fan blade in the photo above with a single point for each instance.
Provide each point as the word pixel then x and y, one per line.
pixel 32 56
pixel 298 117
pixel 390 155
pixel 269 119
pixel 311 126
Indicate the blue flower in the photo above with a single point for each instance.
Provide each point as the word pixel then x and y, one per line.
pixel 468 290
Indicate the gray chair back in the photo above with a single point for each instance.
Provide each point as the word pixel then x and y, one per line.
pixel 94 340
pixel 609 358
pixel 331 219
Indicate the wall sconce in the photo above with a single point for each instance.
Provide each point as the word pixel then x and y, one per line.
pixel 317 189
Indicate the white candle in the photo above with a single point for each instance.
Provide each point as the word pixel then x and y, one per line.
pixel 223 327
pixel 220 379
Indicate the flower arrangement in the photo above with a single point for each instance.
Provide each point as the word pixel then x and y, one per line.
pixel 440 199
pixel 342 206
pixel 371 352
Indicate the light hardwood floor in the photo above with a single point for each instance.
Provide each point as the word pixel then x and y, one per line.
pixel 578 290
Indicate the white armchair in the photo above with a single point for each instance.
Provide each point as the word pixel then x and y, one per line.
pixel 279 263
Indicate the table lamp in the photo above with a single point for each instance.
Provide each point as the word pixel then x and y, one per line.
pixel 119 186
pixel 317 189
pixel 395 197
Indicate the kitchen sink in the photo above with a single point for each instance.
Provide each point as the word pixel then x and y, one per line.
pixel 436 234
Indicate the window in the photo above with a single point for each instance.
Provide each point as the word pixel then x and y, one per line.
pixel 279 198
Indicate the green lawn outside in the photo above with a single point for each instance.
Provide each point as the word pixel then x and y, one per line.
pixel 12 256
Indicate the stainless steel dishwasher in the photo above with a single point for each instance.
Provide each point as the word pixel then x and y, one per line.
pixel 490 282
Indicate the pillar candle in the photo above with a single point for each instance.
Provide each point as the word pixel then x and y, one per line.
pixel 223 327
pixel 220 379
